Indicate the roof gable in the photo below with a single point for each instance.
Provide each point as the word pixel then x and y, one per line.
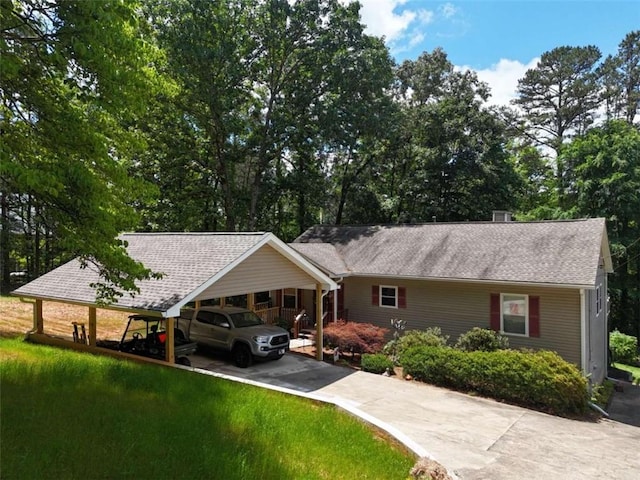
pixel 550 252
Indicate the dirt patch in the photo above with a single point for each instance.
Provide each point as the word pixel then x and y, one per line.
pixel 16 318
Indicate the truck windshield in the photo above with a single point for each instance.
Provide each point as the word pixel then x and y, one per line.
pixel 245 319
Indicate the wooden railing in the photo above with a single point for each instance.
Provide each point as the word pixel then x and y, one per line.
pixel 268 315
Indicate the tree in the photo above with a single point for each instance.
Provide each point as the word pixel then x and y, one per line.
pixel 74 77
pixel 449 161
pixel 607 184
pixel 620 79
pixel 536 195
pixel 558 99
pixel 275 96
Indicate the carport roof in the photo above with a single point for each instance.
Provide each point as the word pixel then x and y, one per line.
pixel 192 264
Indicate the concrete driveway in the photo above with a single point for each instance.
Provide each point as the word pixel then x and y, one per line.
pixel 473 437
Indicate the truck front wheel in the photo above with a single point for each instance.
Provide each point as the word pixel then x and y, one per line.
pixel 242 355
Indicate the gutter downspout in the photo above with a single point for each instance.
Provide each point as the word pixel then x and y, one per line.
pixel 335 300
pixel 319 345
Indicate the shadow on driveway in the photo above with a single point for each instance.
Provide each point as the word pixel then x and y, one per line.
pixel 625 405
pixel 296 372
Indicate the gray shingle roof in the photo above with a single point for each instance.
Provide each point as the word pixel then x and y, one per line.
pixel 186 261
pixel 324 255
pixel 550 252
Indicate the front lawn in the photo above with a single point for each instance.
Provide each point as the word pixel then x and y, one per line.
pixel 72 415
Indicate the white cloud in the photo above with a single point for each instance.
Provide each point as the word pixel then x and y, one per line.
pixel 425 17
pixel 380 19
pixel 448 10
pixel 416 39
pixel 503 78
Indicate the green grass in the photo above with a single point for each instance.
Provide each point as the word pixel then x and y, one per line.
pixel 68 415
pixel 635 371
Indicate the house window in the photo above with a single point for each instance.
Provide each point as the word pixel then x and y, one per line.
pixel 388 296
pixel 514 314
pixel 289 297
pixel 598 299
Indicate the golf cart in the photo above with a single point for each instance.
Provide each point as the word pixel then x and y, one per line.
pixel 146 336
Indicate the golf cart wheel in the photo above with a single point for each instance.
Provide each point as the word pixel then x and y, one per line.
pixel 184 361
pixel 242 356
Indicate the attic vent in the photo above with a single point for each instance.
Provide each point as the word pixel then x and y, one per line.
pixel 501 216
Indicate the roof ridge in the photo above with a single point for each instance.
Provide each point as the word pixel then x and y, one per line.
pixel 471 222
pixel 195 233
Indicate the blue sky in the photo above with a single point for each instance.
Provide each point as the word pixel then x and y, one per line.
pixel 498 39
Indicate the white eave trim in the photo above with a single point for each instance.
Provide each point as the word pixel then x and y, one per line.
pixel 468 280
pixel 606 252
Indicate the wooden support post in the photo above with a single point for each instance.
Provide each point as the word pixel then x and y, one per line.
pixel 251 301
pixel 319 346
pixel 223 301
pixel 170 345
pixel 38 321
pixel 198 304
pixel 92 326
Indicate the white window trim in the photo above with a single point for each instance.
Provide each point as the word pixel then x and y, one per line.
pixel 598 299
pixel 395 296
pixel 526 315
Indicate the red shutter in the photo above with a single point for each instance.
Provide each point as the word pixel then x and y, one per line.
pixel 495 312
pixel 534 316
pixel 402 297
pixel 375 295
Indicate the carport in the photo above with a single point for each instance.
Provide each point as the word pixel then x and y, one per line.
pixel 194 267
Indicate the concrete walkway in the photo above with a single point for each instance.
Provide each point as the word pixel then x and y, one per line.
pixel 473 437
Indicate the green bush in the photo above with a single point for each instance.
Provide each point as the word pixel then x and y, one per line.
pixel 624 348
pixel 541 380
pixel 431 337
pixel 482 339
pixel 283 323
pixel 376 363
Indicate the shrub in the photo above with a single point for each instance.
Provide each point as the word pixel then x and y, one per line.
pixel 541 379
pixel 354 337
pixel 283 323
pixel 431 337
pixel 482 339
pixel 624 348
pixel 376 363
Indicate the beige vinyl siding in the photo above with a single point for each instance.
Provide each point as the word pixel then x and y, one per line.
pixel 457 307
pixel 266 269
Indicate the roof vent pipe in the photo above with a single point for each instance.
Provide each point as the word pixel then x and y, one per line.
pixel 501 216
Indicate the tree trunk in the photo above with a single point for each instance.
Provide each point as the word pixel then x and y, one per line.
pixel 5 239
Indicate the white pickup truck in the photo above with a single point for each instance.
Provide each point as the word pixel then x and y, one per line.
pixel 236 330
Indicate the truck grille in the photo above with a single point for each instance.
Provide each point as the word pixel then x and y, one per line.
pixel 279 339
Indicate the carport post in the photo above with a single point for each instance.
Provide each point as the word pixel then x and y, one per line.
pixel 251 301
pixel 38 322
pixel 319 346
pixel 170 346
pixel 92 326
